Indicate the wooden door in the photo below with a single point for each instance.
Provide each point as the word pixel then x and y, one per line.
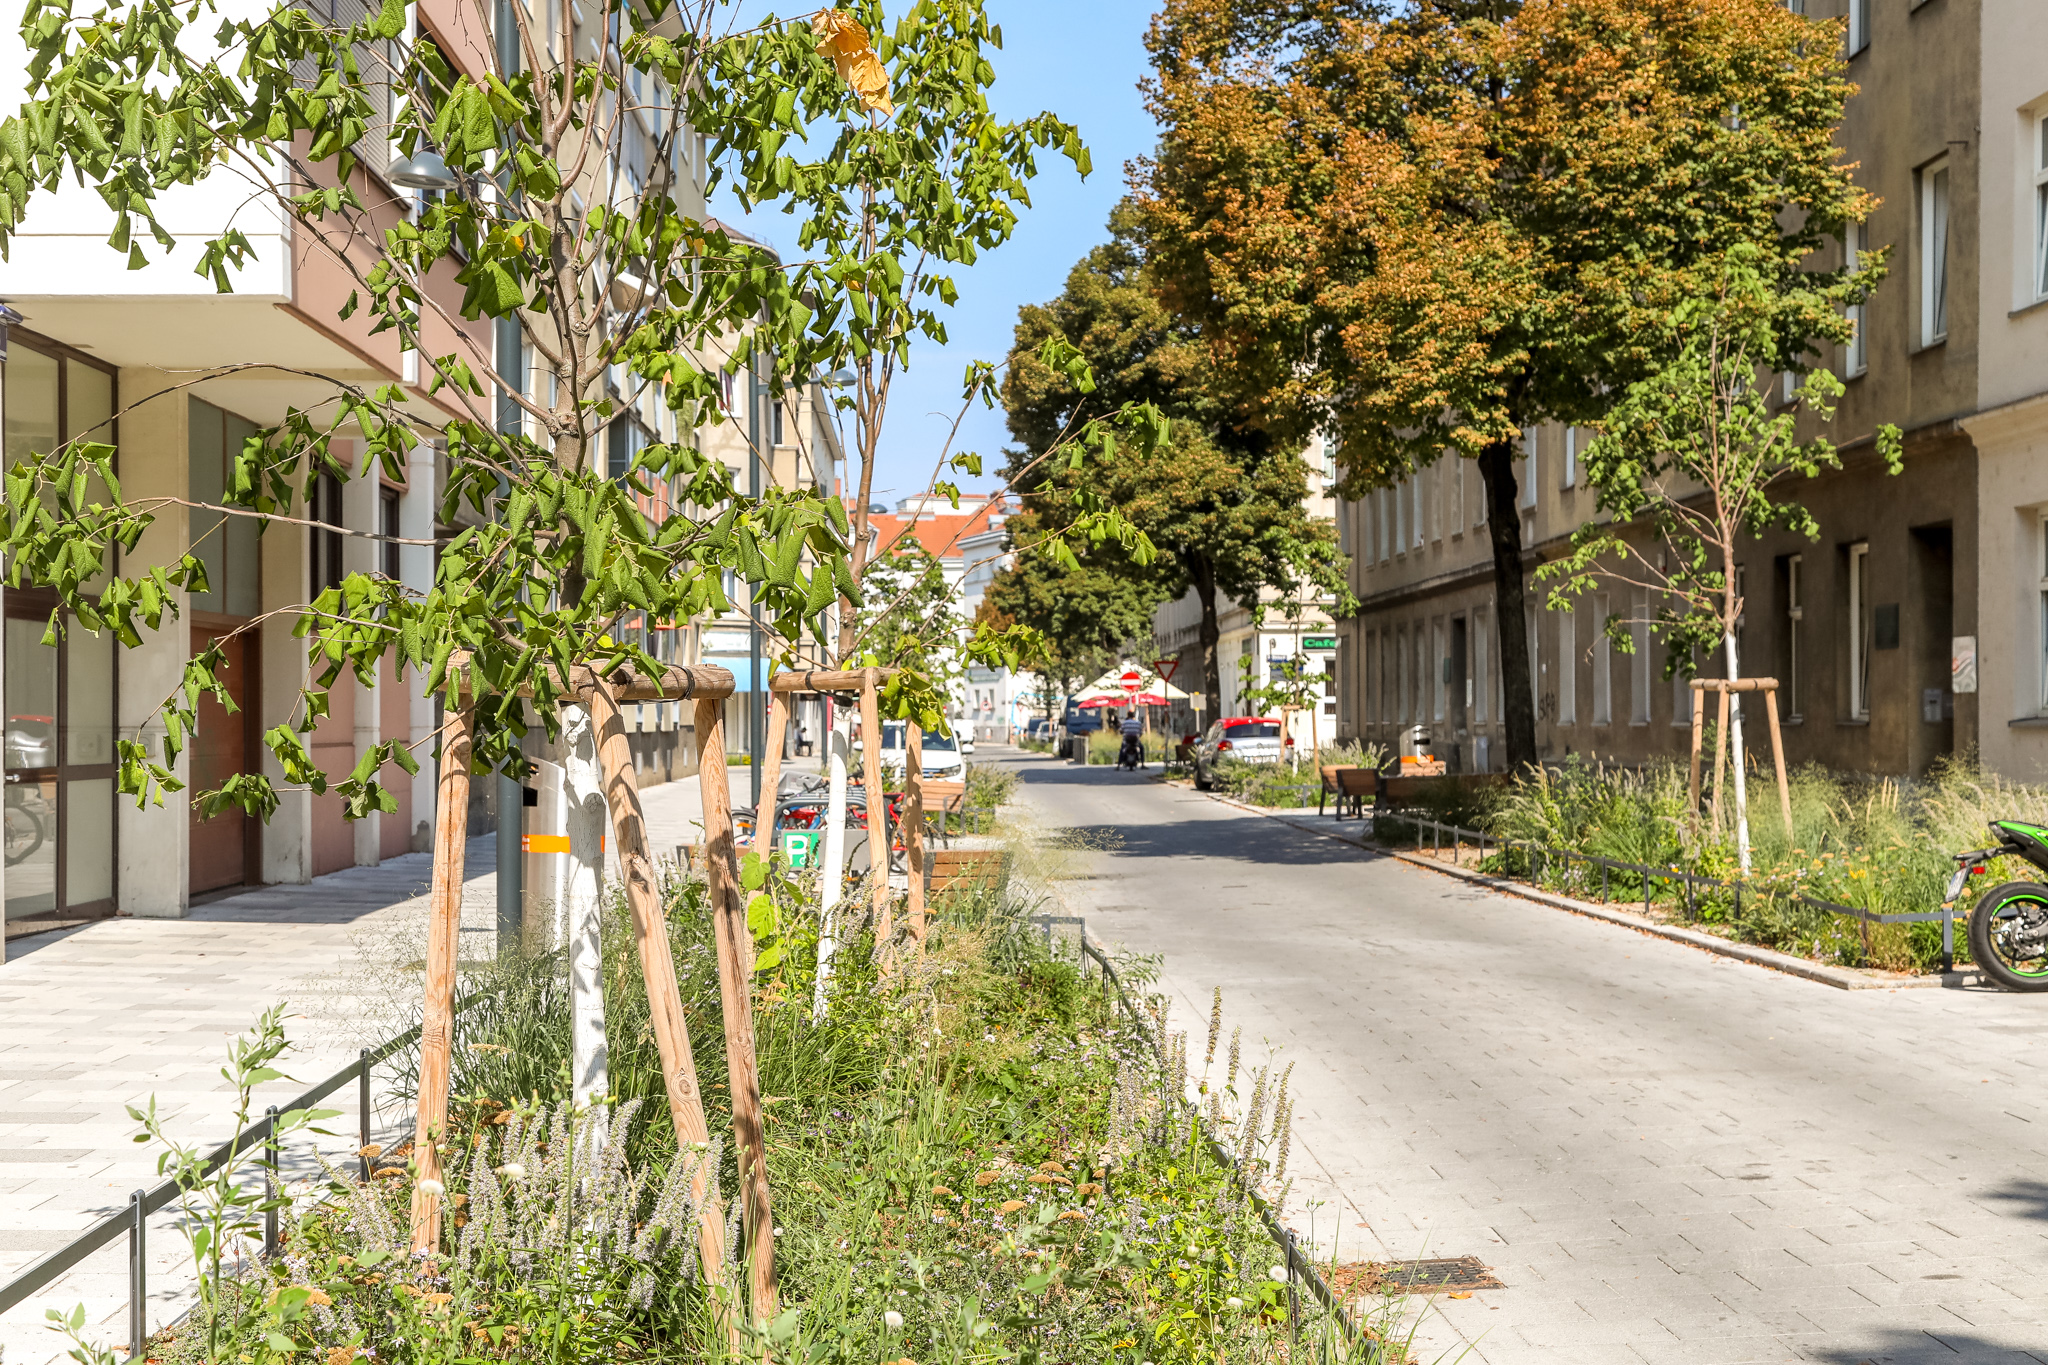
pixel 221 846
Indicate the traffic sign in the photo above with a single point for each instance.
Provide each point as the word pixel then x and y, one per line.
pixel 1164 668
pixel 1131 681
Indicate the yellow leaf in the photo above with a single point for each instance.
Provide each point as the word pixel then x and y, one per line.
pixel 846 43
pixel 1458 1296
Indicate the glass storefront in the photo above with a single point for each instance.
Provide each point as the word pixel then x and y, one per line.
pixel 60 701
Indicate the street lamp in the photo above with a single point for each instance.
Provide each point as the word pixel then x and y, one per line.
pixel 423 170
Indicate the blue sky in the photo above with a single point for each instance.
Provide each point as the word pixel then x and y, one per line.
pixel 1082 61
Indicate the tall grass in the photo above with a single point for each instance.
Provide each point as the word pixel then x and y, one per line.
pixel 1879 844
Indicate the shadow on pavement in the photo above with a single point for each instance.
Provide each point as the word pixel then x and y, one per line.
pixel 1902 1347
pixel 1260 841
pixel 2022 1199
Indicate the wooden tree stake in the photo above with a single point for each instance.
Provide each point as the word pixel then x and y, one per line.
pixel 658 971
pixel 771 775
pixel 878 807
pixel 913 829
pixel 1699 721
pixel 444 938
pixel 735 953
pixel 1778 757
pixel 1720 755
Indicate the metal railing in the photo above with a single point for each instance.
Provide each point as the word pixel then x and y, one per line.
pixel 133 1221
pixel 1297 1263
pixel 1650 873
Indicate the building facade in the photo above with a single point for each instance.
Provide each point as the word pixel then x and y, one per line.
pixel 1865 628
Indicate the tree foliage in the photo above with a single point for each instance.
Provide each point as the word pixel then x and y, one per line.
pixel 1423 227
pixel 1224 506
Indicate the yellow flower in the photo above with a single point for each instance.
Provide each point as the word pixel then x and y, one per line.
pixel 1010 1206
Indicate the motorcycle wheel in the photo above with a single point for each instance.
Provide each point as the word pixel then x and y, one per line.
pixel 2001 911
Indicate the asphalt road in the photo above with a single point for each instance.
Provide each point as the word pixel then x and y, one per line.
pixel 1665 1156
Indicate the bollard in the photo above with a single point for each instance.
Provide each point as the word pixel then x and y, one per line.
pixel 1948 939
pixel 271 1185
pixel 138 1275
pixel 363 1101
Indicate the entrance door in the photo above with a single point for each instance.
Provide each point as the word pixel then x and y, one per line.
pixel 223 846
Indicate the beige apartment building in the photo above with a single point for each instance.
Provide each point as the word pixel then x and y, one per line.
pixel 1917 625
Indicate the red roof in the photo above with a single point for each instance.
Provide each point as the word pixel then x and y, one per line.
pixel 940 534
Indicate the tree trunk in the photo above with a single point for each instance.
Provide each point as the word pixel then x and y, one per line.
pixel 1203 574
pixel 1735 747
pixel 1504 529
pixel 444 934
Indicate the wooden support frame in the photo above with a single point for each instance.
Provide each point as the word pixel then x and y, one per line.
pixel 771 775
pixel 913 829
pixel 1724 686
pixel 444 936
pixel 878 807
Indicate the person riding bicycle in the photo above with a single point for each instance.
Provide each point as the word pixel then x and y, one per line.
pixel 1132 753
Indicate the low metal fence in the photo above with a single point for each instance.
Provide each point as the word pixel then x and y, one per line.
pixel 1298 1264
pixel 1539 856
pixel 133 1221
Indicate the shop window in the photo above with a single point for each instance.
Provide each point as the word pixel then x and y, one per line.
pixel 227 545
pixel 324 559
pixel 59 725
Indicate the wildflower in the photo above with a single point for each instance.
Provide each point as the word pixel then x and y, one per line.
pixel 985 1178
pixel 318 1296
pixel 512 1170
pixel 1233 1303
pixel 893 1320
pixel 1276 1272
pixel 431 1186
pixel 341 1355
pixel 1010 1206
pixel 440 1298
pixel 941 1190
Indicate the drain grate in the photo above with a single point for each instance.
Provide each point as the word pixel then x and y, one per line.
pixel 1433 1277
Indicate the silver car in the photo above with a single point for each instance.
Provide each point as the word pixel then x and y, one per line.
pixel 1256 739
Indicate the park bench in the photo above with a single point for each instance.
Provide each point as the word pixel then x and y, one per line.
pixel 1350 784
pixel 1401 791
pixel 965 869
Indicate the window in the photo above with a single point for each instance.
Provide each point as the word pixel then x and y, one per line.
pixel 1535 647
pixel 1421 643
pixel 2041 207
pixel 1856 355
pixel 1438 483
pixel 1603 664
pixel 1457 492
pixel 1401 713
pixel 1482 671
pixel 1859 631
pixel 1527 474
pixel 1859 25
pixel 775 422
pixel 1440 671
pixel 1383 705
pixel 1795 618
pixel 1400 517
pixel 1934 183
pixel 1415 494
pixel 1682 695
pixel 1639 665
pixel 1573 443
pixel 1567 668
pixel 387 525
pixel 1379 499
pixel 2041 595
pixel 326 570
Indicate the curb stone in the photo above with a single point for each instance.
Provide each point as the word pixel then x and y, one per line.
pixel 1841 978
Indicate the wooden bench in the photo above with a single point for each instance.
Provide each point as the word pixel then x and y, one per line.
pixel 1350 784
pixel 965 869
pixel 1400 791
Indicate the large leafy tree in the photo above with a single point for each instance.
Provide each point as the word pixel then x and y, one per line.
pixel 562 141
pixel 1223 506
pixel 1424 227
pixel 1087 613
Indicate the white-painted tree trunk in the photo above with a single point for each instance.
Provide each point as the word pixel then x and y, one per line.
pixel 582 906
pixel 832 865
pixel 1735 755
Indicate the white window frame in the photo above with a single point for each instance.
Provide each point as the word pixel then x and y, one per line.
pixel 1855 355
pixel 2040 169
pixel 1457 493
pixel 1683 698
pixel 1402 694
pixel 1528 475
pixel 1571 458
pixel 1439 666
pixel 1400 517
pixel 1386 541
pixel 1795 621
pixel 1937 195
pixel 1859 633
pixel 1435 499
pixel 1603 664
pixel 1859 25
pixel 1415 483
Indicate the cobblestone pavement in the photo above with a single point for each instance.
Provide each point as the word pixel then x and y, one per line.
pixel 99 1018
pixel 1666 1156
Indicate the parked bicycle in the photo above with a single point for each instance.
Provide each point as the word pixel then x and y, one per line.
pixel 2009 926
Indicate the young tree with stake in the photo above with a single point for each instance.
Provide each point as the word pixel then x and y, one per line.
pixel 1697 457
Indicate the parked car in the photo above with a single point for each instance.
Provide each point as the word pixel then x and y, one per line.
pixel 1255 738
pixel 942 758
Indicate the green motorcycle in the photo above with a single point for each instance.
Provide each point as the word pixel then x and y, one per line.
pixel 2009 927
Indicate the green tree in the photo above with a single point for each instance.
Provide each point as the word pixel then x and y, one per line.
pixel 1695 457
pixel 1087 613
pixel 1426 227
pixel 1223 506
